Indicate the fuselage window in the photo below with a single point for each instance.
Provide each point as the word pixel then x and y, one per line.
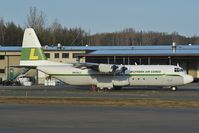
pixel 156 78
pixel 143 78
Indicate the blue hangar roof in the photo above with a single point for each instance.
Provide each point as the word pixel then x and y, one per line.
pixel 179 50
pixel 8 49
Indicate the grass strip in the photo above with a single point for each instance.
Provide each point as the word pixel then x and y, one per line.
pixel 98 101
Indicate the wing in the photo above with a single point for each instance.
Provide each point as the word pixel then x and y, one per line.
pixel 103 68
pixel 93 66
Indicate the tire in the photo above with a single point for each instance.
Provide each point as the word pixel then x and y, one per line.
pixel 174 88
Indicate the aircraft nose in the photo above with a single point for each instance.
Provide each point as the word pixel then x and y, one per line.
pixel 188 79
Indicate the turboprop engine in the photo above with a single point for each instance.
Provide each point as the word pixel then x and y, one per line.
pixel 106 68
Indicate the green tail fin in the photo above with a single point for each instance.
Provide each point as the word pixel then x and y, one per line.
pixel 31 47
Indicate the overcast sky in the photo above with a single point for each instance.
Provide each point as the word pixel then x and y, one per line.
pixel 95 16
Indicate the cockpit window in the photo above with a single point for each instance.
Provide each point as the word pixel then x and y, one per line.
pixel 178 69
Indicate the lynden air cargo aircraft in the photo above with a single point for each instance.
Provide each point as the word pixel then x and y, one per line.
pixel 102 76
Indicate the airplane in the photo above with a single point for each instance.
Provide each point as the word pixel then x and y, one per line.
pixel 100 76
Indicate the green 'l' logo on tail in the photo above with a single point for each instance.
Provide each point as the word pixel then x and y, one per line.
pixel 32 54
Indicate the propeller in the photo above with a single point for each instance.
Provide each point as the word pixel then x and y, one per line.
pixel 123 69
pixel 114 68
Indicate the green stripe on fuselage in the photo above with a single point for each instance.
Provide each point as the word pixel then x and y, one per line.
pixel 115 75
pixel 32 54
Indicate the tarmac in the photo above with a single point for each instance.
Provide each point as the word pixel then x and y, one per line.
pixel 50 118
pixel 15 118
pixel 188 92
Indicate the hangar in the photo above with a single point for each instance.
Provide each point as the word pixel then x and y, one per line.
pixel 187 56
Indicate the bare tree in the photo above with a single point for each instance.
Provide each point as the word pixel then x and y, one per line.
pixel 36 19
pixel 2 31
pixel 56 25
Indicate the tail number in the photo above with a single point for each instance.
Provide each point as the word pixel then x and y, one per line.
pixel 32 54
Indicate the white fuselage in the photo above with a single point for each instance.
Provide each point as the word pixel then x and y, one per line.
pixel 136 75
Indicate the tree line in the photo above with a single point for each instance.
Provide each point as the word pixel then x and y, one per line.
pixel 130 36
pixel 11 34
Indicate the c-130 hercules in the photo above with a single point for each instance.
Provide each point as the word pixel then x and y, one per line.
pixel 102 76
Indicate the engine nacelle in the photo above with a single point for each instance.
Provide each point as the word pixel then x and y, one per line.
pixel 105 68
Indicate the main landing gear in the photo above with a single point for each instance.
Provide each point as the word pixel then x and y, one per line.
pixel 95 88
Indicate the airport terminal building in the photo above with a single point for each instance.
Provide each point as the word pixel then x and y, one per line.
pixel 187 56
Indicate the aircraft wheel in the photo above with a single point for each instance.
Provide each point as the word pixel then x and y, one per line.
pixel 109 88
pixel 174 88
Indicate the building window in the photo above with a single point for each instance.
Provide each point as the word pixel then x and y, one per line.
pixel 65 55
pixel 47 55
pixel 56 55
pixel 2 70
pixel 2 57
pixel 75 55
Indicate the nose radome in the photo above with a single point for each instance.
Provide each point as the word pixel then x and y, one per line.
pixel 188 79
